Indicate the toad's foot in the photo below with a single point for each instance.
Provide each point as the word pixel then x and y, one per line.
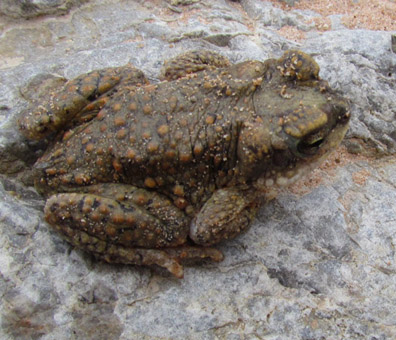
pixel 168 258
pixel 79 100
pixel 192 62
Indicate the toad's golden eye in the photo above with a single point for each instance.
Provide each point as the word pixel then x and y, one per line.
pixel 309 145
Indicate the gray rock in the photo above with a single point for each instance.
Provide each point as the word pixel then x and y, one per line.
pixel 267 14
pixel 289 2
pixel 319 261
pixel 368 79
pixel 34 8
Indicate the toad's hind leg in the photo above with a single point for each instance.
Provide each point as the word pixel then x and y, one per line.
pixel 124 224
pixel 191 62
pixel 79 100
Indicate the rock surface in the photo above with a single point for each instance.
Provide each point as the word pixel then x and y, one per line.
pixel 34 8
pixel 319 261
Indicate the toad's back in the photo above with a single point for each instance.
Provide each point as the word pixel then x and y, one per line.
pixel 177 137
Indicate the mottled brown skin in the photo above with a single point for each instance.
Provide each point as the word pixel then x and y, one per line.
pixel 155 173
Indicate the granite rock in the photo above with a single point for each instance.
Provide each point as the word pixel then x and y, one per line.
pixel 319 260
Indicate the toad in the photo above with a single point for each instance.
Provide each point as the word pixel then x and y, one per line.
pixel 156 174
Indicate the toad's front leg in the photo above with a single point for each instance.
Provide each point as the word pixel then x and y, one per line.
pixel 225 215
pixel 124 224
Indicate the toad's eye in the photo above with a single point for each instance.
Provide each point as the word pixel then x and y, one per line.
pixel 310 145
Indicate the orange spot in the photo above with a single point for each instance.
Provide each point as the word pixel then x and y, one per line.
pixel 150 182
pixel 170 154
pixel 146 134
pixel 117 165
pixel 87 89
pixel 119 121
pixel 88 130
pixel 152 147
pixel 103 128
pixel 117 107
pixel 181 203
pixel 207 85
pixel 72 88
pixel 147 109
pixel 86 208
pixel 173 102
pixel 95 216
pixel 66 179
pixel 132 106
pixel 111 231
pixel 130 219
pixel 185 157
pixel 104 209
pixel 140 199
pixel 101 114
pixel 104 87
pixel 85 140
pixel 178 135
pixel 88 200
pixel 121 133
pixel 89 147
pixel 119 196
pixel 58 152
pixel 178 190
pixel 67 135
pixel 51 171
pixel 81 179
pixel 131 154
pixel 198 149
pixel 117 218
pixel 217 160
pixel 70 159
pixel 163 130
pixel 100 151
pixel 209 120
